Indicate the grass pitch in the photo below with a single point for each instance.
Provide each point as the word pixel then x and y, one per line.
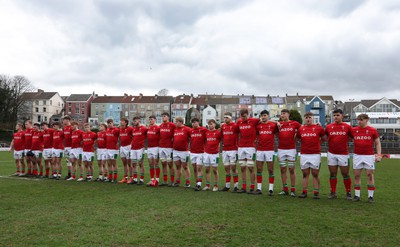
pixel 63 213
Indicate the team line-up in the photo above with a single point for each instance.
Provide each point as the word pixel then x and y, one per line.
pixel 249 143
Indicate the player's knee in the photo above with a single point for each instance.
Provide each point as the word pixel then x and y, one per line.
pixel 242 163
pixel 250 163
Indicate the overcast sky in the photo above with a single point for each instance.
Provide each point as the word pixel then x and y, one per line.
pixel 346 48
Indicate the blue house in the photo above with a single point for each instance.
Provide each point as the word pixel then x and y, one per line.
pixel 317 106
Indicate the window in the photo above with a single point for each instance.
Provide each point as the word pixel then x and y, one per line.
pixel 315 112
pixel 44 109
pixel 97 113
pixel 149 108
pixel 69 110
pixel 36 109
pixel 141 106
pixel 142 113
pixel 185 106
pixel 178 107
pixel 83 106
pixel 96 106
pixel 298 103
pixel 208 112
pixel 45 118
pixel 56 111
pixel 36 102
pixel 166 108
pixel 316 104
pixel 44 102
pixel 69 104
pixel 316 119
pixel 51 102
pixel 158 106
pixel 111 106
pixel 77 111
pixel 39 118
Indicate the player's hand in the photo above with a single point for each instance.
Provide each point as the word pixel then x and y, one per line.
pixel 10 150
pixel 378 157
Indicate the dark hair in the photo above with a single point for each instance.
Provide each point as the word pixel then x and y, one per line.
pixel 74 123
pixel 195 119
pixel 110 120
pixel 36 124
pixel 285 110
pixel 264 112
pixel 362 116
pixel 56 123
pixel 228 114
pixel 165 114
pixel 104 125
pixel 243 111
pixel 136 118
pixel 211 121
pixel 125 120
pixel 338 111
pixel 43 123
pixel 67 117
pixel 152 117
pixel 308 114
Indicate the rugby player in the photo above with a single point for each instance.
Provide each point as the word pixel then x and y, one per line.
pixel 153 138
pixel 47 147
pixel 165 149
pixel 181 153
pixel 310 136
pixel 338 134
pixel 287 151
pixel 18 145
pixel 37 150
pixel 139 133
pixel 197 141
pixel 266 131
pixel 247 151
pixel 57 151
pixel 67 128
pixel 112 134
pixel 125 137
pixel 88 141
pixel 230 133
pixel 28 143
pixel 102 153
pixel 76 151
pixel 365 137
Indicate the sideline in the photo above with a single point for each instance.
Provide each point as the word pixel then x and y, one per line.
pixel 22 178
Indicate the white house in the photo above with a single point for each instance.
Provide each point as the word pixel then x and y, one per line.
pixel 208 113
pixel 45 105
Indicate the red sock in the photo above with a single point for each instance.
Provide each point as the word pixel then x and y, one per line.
pixel 228 178
pixel 35 172
pixel 109 176
pixel 259 179
pixel 252 186
pixel 135 176
pixel 178 181
pixel 333 182
pixel 165 178
pixel 173 178
pixel 141 176
pixel 235 179
pixel 271 180
pixel 316 192
pixel 244 186
pixel 293 189
pixel 305 191
pixel 151 172
pixel 157 172
pixel 125 175
pixel 347 184
pixel 199 179
pixel 115 176
pixel 285 188
pixel 41 173
pixel 47 171
pixel 187 181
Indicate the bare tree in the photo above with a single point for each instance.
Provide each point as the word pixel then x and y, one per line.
pixel 163 92
pixel 12 98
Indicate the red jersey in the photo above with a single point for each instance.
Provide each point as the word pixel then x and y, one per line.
pixel 153 136
pixel 287 134
pixel 248 132
pixel 364 139
pixel 58 137
pixel 181 138
pixel 37 141
pixel 139 137
pixel 112 138
pixel 197 140
pixel 213 138
pixel 28 138
pixel 125 136
pixel 266 136
pixel 338 137
pixel 48 138
pixel 19 140
pixel 166 135
pixel 101 139
pixel 76 138
pixel 88 141
pixel 310 138
pixel 67 135
pixel 230 133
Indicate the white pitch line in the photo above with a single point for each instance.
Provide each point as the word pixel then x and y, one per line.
pixel 19 178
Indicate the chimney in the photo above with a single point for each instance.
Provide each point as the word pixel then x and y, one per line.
pixel 40 91
pixel 297 94
pixel 155 96
pixel 125 95
pixel 140 96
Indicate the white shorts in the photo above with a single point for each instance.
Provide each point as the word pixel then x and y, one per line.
pixel 312 161
pixel 47 153
pixel 267 156
pixel 37 153
pixel 125 152
pixel 196 158
pixel 19 154
pixel 26 152
pixel 183 156
pixel 246 153
pixel 88 156
pixel 165 154
pixel 338 159
pixel 211 159
pixel 363 162
pixel 137 155
pixel 111 154
pixel 57 153
pixel 75 153
pixel 229 157
pixel 101 154
pixel 67 151
pixel 287 155
pixel 152 153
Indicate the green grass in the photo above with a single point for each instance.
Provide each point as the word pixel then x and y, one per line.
pixel 47 212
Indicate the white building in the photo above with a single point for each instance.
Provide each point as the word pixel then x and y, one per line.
pixel 45 105
pixel 208 113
